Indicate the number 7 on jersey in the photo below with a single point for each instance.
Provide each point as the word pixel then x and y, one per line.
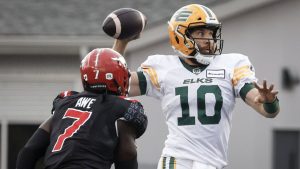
pixel 81 118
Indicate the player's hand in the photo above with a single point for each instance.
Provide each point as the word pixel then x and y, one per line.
pixel 266 94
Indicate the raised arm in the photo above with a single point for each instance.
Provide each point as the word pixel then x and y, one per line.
pixel 120 45
pixel 134 89
pixel 263 99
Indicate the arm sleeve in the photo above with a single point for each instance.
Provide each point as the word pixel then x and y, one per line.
pixel 136 116
pixel 33 150
pixel 243 76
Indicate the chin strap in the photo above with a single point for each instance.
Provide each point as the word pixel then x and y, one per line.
pixel 200 58
pixel 205 60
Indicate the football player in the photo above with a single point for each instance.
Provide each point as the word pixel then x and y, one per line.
pixel 197 88
pixel 83 131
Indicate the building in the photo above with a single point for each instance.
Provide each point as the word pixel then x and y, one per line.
pixel 41 45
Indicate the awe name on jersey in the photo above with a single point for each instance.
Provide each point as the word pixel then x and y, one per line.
pixel 85 102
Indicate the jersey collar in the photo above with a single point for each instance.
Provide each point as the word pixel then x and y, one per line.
pixel 195 69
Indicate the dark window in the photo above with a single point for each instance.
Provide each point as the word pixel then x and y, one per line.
pixel 18 134
pixel 286 149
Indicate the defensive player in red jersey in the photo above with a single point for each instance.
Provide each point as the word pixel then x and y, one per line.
pixel 84 130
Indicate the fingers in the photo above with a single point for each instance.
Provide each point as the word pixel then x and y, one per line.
pixel 266 94
pixel 264 84
pixel 271 87
pixel 256 86
pixel 264 87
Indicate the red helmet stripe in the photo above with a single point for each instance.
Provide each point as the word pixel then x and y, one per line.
pixel 97 57
pixel 88 61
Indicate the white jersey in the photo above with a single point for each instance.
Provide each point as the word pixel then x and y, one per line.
pixel 197 104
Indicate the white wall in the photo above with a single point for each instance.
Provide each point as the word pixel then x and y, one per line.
pixel 270 37
pixel 28 85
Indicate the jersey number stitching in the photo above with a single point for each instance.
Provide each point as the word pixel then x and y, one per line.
pixel 186 119
pixel 81 118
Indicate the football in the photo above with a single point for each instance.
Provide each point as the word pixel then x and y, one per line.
pixel 124 23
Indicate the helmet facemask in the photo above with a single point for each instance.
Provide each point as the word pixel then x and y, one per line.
pixel 206 54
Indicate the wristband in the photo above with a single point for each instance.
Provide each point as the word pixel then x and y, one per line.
pixel 272 107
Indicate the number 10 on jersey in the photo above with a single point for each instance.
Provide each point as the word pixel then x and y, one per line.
pixel 186 119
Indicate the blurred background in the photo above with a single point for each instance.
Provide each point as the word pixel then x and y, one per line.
pixel 42 43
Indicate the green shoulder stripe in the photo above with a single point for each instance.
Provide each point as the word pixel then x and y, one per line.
pixel 245 89
pixel 142 82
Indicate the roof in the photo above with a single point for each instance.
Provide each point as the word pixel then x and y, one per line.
pixel 77 17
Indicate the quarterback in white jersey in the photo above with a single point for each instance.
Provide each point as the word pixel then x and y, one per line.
pixel 198 104
pixel 197 89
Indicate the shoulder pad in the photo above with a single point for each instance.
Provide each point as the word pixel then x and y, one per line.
pixel 137 117
pixel 66 94
pixel 60 96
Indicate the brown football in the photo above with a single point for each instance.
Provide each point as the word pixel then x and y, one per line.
pixel 124 23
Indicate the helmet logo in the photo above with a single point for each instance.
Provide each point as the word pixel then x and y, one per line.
pixel 85 77
pixel 109 76
pixel 183 15
pixel 188 45
pixel 121 60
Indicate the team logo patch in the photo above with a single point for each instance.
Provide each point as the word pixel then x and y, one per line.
pixel 109 76
pixel 196 71
pixel 183 15
pixel 219 73
pixel 121 60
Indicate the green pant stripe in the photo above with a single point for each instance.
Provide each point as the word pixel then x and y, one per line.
pixel 172 163
pixel 164 163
